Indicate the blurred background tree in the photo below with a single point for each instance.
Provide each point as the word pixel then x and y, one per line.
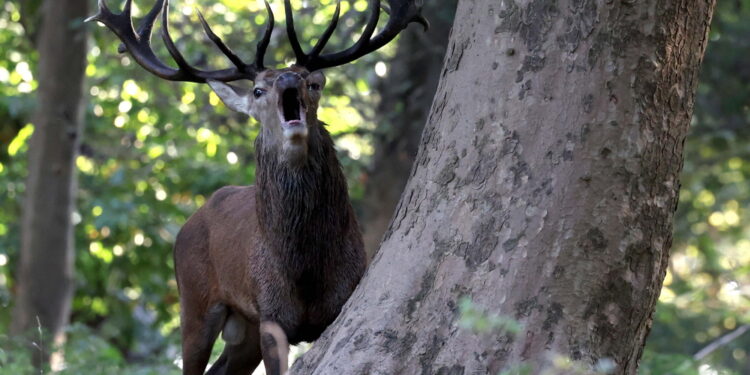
pixel 45 272
pixel 406 94
pixel 154 151
pixel 706 293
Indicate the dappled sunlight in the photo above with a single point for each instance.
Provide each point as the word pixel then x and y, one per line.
pixel 153 152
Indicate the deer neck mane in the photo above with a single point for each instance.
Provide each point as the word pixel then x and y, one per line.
pixel 302 208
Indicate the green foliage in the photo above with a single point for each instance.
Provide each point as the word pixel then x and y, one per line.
pixel 153 152
pixel 477 320
pixel 558 365
pixel 14 358
pixel 16 102
pixel 84 352
pixel 522 369
pixel 675 364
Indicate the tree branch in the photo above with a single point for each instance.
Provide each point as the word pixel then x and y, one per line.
pixel 721 341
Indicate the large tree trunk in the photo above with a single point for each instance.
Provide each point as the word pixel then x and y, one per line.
pixel 544 190
pixel 45 277
pixel 406 95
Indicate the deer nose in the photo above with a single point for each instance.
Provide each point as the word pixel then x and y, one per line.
pixel 288 80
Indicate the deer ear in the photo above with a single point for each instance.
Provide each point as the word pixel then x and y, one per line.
pixel 317 77
pixel 235 98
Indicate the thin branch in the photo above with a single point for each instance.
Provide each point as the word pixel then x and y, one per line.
pixel 721 341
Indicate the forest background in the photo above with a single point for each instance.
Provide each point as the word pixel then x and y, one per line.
pixel 153 151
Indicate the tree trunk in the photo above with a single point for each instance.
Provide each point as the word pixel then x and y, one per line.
pixel 45 276
pixel 544 191
pixel 406 94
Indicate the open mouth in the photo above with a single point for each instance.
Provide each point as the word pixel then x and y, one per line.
pixel 291 110
pixel 291 107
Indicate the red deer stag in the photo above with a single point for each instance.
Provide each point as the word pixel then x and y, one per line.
pixel 276 261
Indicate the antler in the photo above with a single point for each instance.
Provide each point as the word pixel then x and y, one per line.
pixel 139 45
pixel 402 13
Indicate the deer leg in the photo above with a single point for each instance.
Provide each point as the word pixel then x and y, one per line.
pixel 239 359
pixel 275 348
pixel 220 366
pixel 242 352
pixel 199 331
pixel 243 358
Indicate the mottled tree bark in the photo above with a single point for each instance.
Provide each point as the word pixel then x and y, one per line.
pixel 45 273
pixel 406 94
pixel 544 190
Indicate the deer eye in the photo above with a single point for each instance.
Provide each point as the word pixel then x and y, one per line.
pixel 313 87
pixel 257 93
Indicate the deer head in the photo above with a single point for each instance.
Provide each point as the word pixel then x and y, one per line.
pixel 284 101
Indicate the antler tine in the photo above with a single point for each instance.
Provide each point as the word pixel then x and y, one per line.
pixel 372 22
pixel 263 44
pixel 402 12
pixel 221 45
pixel 420 19
pixel 139 45
pixel 301 57
pixel 102 11
pixel 327 34
pixel 146 27
pixel 364 38
pixel 126 9
pixel 171 47
pixel 139 48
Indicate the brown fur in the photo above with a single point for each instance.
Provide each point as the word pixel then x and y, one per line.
pixel 287 251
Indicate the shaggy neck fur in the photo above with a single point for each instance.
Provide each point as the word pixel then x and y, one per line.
pixel 303 210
